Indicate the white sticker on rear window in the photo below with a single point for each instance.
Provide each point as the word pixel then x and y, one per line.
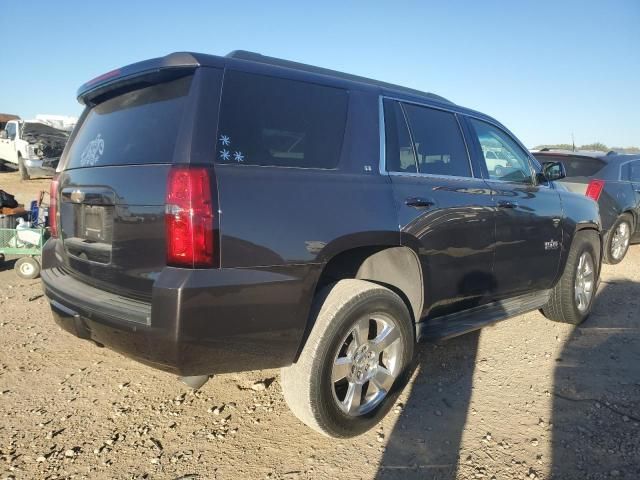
pixel 92 152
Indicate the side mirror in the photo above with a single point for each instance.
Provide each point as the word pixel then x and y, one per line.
pixel 3 134
pixel 553 171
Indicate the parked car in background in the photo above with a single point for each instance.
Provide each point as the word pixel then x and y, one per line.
pixel 495 164
pixel 31 147
pixel 217 214
pixel 613 181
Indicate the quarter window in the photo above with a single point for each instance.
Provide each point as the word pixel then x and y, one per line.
pixel 504 158
pixel 275 122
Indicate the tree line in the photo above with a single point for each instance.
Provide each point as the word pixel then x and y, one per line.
pixel 597 146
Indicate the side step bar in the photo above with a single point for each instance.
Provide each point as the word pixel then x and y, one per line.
pixel 449 326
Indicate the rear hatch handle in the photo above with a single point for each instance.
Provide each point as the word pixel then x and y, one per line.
pixel 89 195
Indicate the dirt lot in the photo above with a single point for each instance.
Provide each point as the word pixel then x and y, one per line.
pixel 23 191
pixel 525 399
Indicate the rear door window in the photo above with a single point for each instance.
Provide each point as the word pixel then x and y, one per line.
pixel 136 127
pixel 399 155
pixel 423 140
pixel 438 143
pixel 271 121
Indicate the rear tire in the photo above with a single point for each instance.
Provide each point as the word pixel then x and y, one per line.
pixel 618 239
pixel 24 174
pixel 27 268
pixel 354 363
pixel 572 297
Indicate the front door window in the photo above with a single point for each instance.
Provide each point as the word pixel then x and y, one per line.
pixel 504 158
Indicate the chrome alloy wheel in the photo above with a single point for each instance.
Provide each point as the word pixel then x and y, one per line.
pixel 367 362
pixel 585 282
pixel 620 240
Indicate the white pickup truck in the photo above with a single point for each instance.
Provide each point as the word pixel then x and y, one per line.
pixel 32 147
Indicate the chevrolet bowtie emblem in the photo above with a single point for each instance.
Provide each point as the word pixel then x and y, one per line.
pixel 77 196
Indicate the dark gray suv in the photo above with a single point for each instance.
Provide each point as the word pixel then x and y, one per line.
pixel 215 214
pixel 613 181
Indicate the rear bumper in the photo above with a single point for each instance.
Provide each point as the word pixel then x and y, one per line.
pixel 199 322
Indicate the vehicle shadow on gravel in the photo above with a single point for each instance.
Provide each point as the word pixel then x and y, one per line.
pixel 7 264
pixel 596 407
pixel 425 441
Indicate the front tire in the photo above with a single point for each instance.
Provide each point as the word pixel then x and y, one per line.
pixel 355 361
pixel 24 174
pixel 572 297
pixel 619 239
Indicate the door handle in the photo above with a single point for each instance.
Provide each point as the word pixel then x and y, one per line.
pixel 417 202
pixel 507 204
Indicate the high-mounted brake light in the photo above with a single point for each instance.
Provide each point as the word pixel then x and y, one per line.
pixel 103 77
pixel 189 218
pixel 53 207
pixel 594 189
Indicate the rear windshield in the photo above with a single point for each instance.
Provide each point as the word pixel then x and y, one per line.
pixel 575 166
pixel 276 122
pixel 137 127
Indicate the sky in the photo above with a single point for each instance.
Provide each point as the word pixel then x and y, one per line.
pixel 546 69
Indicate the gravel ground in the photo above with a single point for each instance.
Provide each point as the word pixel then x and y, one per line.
pixel 525 399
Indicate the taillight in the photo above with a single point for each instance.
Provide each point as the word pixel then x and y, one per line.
pixel 189 218
pixel 53 207
pixel 594 189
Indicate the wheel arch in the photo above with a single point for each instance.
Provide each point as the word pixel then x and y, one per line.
pixel 634 215
pixel 395 267
pixel 589 227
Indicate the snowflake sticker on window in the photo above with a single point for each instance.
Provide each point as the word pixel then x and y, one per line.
pixel 225 155
pixel 225 140
pixel 238 157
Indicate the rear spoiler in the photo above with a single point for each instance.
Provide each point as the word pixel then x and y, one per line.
pixel 146 72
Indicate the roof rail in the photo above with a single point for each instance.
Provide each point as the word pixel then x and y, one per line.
pixel 259 58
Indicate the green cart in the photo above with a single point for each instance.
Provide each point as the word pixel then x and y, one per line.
pixel 25 243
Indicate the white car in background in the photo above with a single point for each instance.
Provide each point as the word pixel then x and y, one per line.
pixel 495 163
pixel 31 147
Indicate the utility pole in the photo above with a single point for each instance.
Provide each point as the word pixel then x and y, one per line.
pixel 573 142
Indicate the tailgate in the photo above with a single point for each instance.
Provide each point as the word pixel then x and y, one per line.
pixel 113 184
